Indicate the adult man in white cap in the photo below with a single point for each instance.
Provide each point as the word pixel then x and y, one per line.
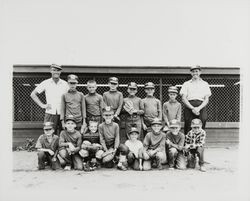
pixel 54 88
pixel 195 96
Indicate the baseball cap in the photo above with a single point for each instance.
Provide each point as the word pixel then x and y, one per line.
pixel 113 80
pixel 156 121
pixel 149 85
pixel 195 67
pixel 70 118
pixel 108 109
pixel 56 66
pixel 73 78
pixel 174 123
pixel 133 129
pixel 196 122
pixel 173 89
pixel 48 125
pixel 132 85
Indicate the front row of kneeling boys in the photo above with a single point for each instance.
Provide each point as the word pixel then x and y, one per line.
pixel 100 146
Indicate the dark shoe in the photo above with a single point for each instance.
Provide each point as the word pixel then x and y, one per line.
pixel 160 167
pixel 86 167
pixel 122 167
pixel 154 164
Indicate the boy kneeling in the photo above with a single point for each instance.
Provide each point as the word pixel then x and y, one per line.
pixel 91 150
pixel 194 142
pixel 47 146
pixel 154 147
pixel 131 152
pixel 70 142
pixel 109 137
pixel 175 144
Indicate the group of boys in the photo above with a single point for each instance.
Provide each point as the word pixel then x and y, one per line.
pixel 91 131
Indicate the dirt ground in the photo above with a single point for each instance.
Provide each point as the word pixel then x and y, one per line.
pixel 220 180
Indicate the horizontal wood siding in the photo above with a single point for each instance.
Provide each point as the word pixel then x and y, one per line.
pixel 218 136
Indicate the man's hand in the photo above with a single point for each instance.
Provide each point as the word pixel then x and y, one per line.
pixel 51 152
pixel 53 159
pixel 144 127
pixel 46 106
pixel 196 111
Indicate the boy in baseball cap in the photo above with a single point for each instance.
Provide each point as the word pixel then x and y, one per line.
pixel 113 98
pixel 47 146
pixel 154 146
pixel 131 152
pixel 133 110
pixel 194 144
pixel 172 108
pixel 109 137
pixel 91 150
pixel 70 144
pixel 94 102
pixel 151 106
pixel 175 144
pixel 73 103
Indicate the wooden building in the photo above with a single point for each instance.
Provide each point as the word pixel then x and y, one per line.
pixel 223 107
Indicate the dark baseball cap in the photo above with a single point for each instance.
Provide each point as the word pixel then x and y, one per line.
pixel 73 78
pixel 133 129
pixel 196 123
pixel 113 80
pixel 149 85
pixel 156 121
pixel 48 125
pixel 70 118
pixel 173 89
pixel 108 109
pixel 132 85
pixel 174 123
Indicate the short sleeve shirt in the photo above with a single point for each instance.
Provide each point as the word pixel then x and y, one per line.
pixel 53 92
pixel 43 142
pixel 134 146
pixel 195 90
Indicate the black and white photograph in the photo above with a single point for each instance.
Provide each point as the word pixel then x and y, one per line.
pixel 125 100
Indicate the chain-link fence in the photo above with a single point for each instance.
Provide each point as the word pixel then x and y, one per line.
pixel 224 104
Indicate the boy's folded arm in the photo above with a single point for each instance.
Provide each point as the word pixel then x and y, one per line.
pixel 42 149
pixel 63 144
pixel 55 154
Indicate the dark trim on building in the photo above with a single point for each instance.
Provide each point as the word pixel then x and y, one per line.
pixel 125 69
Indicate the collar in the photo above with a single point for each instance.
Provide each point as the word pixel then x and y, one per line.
pixel 92 94
pixel 172 101
pixel 131 96
pixel 70 133
pixel 72 90
pixel 59 81
pixel 108 124
pixel 198 80
pixel 113 91
pixel 149 96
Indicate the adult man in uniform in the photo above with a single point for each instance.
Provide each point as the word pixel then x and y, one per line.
pixel 195 96
pixel 54 88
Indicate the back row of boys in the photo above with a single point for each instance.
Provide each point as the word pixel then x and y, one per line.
pixel 103 146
